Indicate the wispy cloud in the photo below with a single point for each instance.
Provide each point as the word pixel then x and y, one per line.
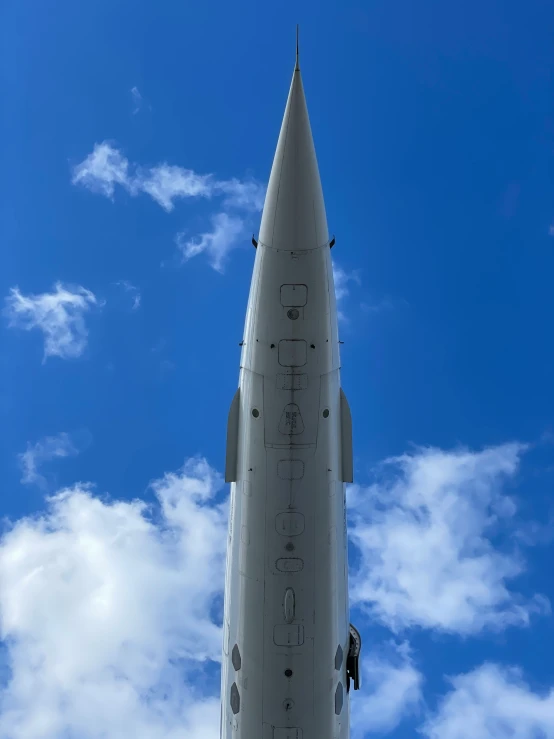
pixel 492 702
pixel 137 100
pixel 107 613
pixel 424 536
pixel 381 305
pixel 133 291
pixel 59 315
pixel 391 690
pixel 248 194
pixel 341 279
pixel 102 170
pixel 51 447
pixel 166 183
pixel 226 230
pixel 107 167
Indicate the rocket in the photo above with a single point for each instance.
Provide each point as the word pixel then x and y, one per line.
pixel 290 655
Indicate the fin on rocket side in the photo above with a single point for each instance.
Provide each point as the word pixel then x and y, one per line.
pixel 353 660
pixel 231 454
pixel 346 439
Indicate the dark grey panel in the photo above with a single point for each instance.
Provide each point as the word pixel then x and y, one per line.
pixel 235 699
pixel 338 658
pixel 339 697
pixel 235 657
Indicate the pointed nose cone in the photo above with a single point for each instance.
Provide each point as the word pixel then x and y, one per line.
pixel 294 212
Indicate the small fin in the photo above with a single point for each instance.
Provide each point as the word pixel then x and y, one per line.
pixel 346 439
pixel 231 456
pixel 353 660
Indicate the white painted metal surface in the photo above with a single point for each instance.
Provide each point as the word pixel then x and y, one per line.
pixel 286 619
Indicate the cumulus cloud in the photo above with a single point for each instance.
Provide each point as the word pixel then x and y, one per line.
pixel 492 702
pixel 424 538
pixel 107 613
pixel 391 690
pixel 225 232
pixel 59 315
pixel 45 450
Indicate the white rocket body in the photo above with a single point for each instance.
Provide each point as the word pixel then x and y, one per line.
pixel 287 637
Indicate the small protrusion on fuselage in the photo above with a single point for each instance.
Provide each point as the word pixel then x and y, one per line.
pixel 353 660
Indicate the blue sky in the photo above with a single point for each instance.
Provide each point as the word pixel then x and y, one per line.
pixel 136 142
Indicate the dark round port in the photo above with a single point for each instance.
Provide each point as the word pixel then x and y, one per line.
pixel 293 314
pixel 255 412
pixel 289 546
pixel 312 346
pixel 288 673
pixel 326 413
pixel 273 346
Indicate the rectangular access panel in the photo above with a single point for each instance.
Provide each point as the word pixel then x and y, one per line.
pixel 294 295
pixel 288 635
pixel 292 352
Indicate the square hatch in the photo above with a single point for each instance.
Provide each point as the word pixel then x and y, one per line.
pixel 294 295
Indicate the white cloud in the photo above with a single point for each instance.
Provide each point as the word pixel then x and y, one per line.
pixel 106 613
pixel 134 292
pixel 492 702
pixel 106 166
pixel 166 183
pixel 390 691
pixel 249 194
pixel 217 243
pixel 102 170
pixel 137 99
pixel 51 447
pixel 59 315
pixel 341 279
pixel 424 537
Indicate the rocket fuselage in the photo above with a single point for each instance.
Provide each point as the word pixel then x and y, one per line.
pixel 289 452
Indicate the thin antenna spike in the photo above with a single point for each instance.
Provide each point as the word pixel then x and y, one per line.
pixel 297 67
